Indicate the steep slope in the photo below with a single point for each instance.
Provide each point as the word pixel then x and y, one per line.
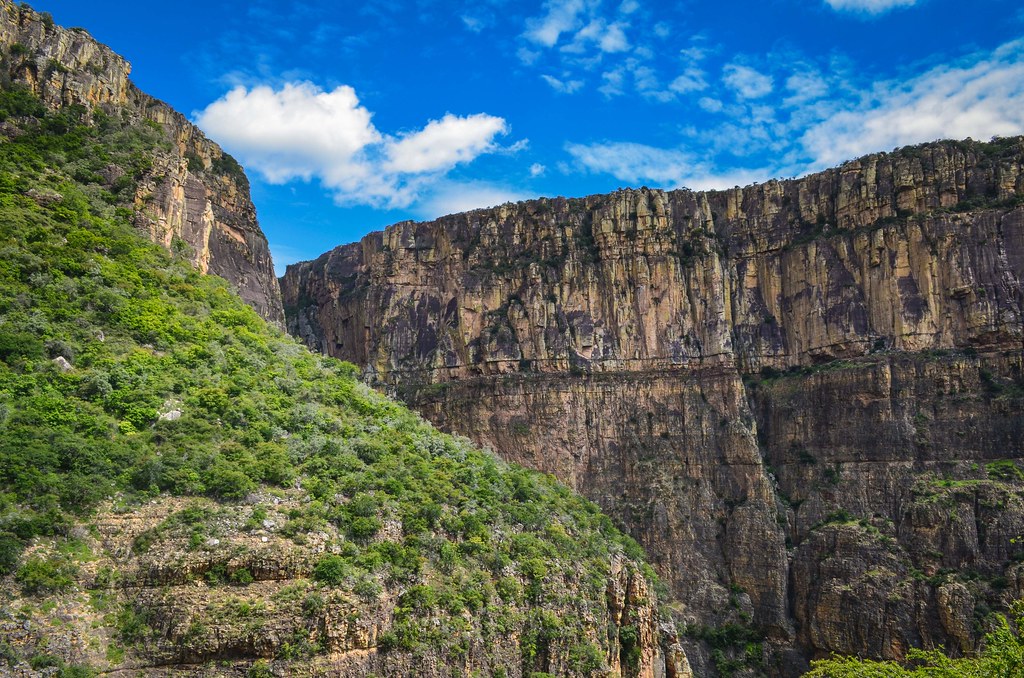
pixel 184 490
pixel 804 398
pixel 188 190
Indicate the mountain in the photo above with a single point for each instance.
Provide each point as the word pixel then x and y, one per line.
pixel 804 398
pixel 185 490
pixel 188 189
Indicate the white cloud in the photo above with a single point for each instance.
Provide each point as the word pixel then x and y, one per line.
pixel 646 79
pixel 562 16
pixel 633 163
pixel 613 39
pixel 476 24
pixel 617 39
pixel 607 38
pixel 980 98
pixel 450 197
pixel 613 82
pixel 582 36
pixel 293 132
pixel 302 132
pixel 527 56
pixel 667 168
pixel 629 6
pixel 444 143
pixel 711 105
pixel 537 170
pixel 868 6
pixel 563 86
pixel 806 85
pixel 747 82
pixel 690 81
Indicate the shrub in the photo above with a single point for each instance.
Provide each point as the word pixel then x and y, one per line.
pixel 313 605
pixel 226 482
pixel 331 570
pixel 241 577
pixel 260 669
pixel 39 575
pixel 10 553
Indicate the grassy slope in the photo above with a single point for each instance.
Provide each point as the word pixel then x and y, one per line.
pixel 406 508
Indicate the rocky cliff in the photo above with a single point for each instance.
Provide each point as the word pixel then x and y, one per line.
pixel 191 192
pixel 804 398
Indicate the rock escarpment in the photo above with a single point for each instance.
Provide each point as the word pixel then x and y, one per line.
pixel 804 398
pixel 192 191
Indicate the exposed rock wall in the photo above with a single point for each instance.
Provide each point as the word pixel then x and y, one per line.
pixel 194 191
pixel 799 396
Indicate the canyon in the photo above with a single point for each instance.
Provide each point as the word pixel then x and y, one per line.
pixel 803 398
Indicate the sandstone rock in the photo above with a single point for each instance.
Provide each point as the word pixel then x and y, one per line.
pixel 62 364
pixel 172 415
pixel 44 197
pixel 956 611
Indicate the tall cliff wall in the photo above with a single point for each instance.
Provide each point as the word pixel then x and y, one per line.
pixel 193 192
pixel 804 397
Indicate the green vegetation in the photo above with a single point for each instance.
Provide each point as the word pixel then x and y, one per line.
pixel 102 332
pixel 1001 655
pixel 735 648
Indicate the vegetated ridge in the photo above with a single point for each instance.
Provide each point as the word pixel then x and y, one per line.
pixel 804 398
pixel 185 490
pixel 185 189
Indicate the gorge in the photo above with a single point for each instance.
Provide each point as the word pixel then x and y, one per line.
pixel 803 397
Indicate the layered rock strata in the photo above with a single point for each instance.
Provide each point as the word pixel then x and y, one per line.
pixel 804 398
pixel 193 193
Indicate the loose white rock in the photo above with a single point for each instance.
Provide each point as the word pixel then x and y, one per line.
pixel 62 364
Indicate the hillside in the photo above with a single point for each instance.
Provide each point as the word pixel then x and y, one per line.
pixel 804 398
pixel 184 490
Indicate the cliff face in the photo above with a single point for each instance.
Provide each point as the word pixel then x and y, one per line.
pixel 804 397
pixel 192 191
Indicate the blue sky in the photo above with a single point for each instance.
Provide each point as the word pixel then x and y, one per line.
pixel 349 116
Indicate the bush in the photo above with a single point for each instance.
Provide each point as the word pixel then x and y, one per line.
pixel 260 669
pixel 331 570
pixel 39 575
pixel 226 482
pixel 20 345
pixel 10 552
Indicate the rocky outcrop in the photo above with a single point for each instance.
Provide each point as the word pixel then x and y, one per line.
pixel 804 398
pixel 150 598
pixel 193 192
